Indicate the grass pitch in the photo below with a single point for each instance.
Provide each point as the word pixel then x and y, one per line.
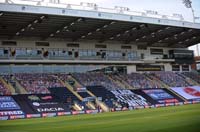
pixel 169 119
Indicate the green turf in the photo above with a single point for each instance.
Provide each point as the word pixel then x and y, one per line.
pixel 169 119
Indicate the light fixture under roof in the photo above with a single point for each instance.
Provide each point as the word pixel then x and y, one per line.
pixel 134 28
pixel 167 27
pixel 72 23
pixel 111 37
pixel 42 17
pixel 118 35
pixel 137 39
pixel 58 31
pixel 113 22
pixel 187 40
pixel 98 29
pixel 194 37
pixel 190 30
pixel 180 42
pixel 65 27
pixel 144 37
pixel 142 25
pixel 89 33
pixel 17 33
pixel 105 26
pixel 36 21
pixel 126 31
pixel 29 25
pixel 22 29
pixel 82 36
pixel 80 19
pixel 1 13
pixel 52 35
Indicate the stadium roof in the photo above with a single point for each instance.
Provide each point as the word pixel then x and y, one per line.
pixel 24 21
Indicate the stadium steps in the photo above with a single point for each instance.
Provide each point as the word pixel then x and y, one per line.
pixel 124 82
pixel 76 84
pixel 19 88
pixel 155 79
pixel 90 105
pixel 189 80
pixel 77 107
pixel 8 86
pixel 116 82
pixel 103 106
pixel 70 88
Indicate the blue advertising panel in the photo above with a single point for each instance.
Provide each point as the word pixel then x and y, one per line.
pixel 160 95
pixel 8 103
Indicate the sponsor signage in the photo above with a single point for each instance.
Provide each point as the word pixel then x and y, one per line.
pixel 52 109
pixel 48 114
pixel 91 111
pixel 8 103
pixel 33 115
pixel 192 92
pixel 17 117
pixel 14 112
pixel 63 113
pixel 78 112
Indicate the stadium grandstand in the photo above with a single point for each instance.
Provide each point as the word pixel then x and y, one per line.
pixel 63 59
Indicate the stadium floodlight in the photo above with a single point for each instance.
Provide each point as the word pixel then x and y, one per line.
pixel 188 4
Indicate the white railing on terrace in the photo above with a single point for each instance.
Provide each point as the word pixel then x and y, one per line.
pixel 95 7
